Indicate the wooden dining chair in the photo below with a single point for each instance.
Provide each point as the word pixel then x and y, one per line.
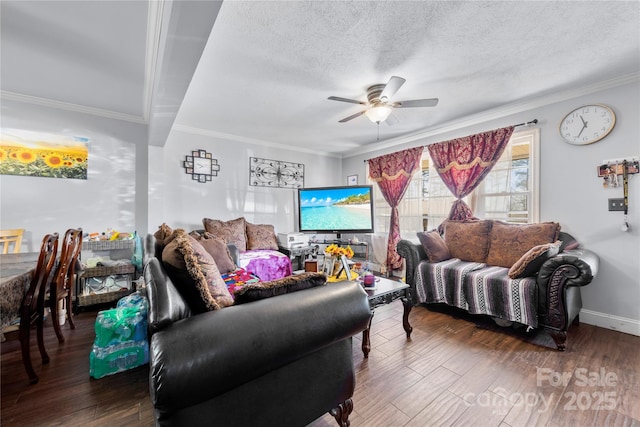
pixel 32 308
pixel 61 288
pixel 9 237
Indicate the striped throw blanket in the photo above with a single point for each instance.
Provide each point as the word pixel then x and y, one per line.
pixel 478 289
pixel 443 281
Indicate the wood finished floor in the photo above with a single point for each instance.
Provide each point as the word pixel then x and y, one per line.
pixel 454 371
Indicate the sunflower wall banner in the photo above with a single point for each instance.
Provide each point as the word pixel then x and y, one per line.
pixel 30 153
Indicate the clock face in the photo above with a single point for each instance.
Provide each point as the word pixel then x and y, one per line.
pixel 201 166
pixel 587 124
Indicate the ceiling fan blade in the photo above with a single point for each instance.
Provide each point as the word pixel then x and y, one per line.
pixel 353 101
pixel 391 120
pixel 391 88
pixel 431 102
pixel 351 117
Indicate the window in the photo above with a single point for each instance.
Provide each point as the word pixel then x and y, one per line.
pixel 410 208
pixel 424 206
pixel 436 197
pixel 508 193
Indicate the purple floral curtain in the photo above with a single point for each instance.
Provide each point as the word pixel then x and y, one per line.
pixel 464 162
pixel 393 173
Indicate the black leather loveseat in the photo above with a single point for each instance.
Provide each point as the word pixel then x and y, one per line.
pixel 554 284
pixel 280 361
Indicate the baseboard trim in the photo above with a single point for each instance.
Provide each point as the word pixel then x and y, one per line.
pixel 609 321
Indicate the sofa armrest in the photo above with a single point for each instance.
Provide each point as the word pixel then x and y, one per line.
pixel 413 253
pixel 198 358
pixel 571 268
pixel 165 302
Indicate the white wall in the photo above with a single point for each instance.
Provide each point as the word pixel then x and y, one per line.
pixel 105 199
pixel 572 194
pixel 134 187
pixel 179 201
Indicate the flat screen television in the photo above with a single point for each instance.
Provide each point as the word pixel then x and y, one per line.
pixel 336 210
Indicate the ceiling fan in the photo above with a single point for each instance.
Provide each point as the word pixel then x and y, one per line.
pixel 379 103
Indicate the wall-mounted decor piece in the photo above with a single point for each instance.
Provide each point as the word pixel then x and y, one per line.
pixel 610 169
pixel 274 173
pixel 201 166
pixel 29 153
pixel 352 180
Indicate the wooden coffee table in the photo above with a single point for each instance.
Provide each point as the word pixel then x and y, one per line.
pixel 387 291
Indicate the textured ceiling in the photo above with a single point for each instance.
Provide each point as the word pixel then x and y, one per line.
pixel 268 67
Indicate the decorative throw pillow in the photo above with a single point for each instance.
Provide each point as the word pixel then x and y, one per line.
pixel 217 248
pixel 231 231
pixel 256 291
pixel 529 264
pixel 195 274
pixel 467 240
pixel 164 235
pixel 434 246
pixel 508 242
pixel 261 236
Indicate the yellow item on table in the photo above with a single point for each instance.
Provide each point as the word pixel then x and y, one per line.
pixel 341 277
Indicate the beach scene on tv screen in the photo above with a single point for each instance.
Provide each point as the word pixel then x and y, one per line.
pixel 335 209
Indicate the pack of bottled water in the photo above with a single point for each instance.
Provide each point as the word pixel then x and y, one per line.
pixel 121 337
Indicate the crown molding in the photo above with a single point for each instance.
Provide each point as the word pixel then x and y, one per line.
pixel 498 113
pixel 11 96
pixel 245 140
pixel 154 27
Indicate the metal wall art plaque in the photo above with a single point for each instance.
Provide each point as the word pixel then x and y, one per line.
pixel 274 173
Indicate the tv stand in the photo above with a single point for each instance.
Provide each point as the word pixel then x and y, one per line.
pixel 298 254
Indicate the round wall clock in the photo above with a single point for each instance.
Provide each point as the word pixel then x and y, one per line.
pixel 587 124
pixel 201 166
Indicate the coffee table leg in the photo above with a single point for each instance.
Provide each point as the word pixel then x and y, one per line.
pixel 405 317
pixel 366 344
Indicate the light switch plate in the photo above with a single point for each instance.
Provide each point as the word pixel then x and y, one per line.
pixel 616 204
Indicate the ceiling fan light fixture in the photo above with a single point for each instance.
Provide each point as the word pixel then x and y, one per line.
pixel 378 113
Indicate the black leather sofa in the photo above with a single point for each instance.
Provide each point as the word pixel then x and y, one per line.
pixel 280 361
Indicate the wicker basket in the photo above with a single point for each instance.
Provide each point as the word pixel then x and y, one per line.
pixel 107 271
pixel 90 295
pixel 107 245
pixel 104 297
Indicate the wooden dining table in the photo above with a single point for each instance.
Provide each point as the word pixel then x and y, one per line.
pixel 16 271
